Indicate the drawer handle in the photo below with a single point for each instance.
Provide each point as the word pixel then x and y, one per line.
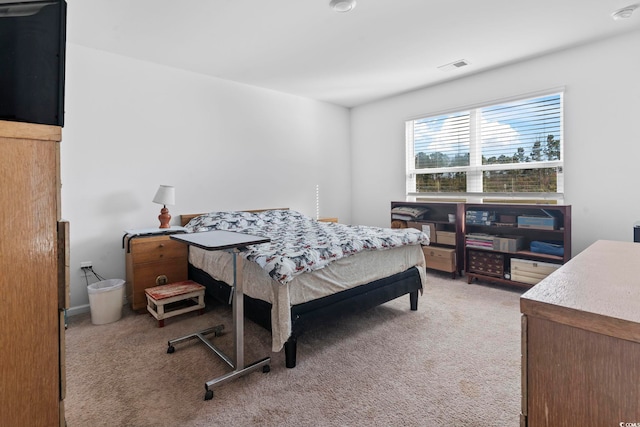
pixel 161 245
pixel 161 280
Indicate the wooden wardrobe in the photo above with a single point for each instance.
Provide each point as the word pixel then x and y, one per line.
pixel 34 276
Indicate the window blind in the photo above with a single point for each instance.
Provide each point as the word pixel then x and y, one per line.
pixel 508 147
pixel 519 131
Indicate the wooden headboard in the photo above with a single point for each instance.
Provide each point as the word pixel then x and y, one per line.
pixel 184 219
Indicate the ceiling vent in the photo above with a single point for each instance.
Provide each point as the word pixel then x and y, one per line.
pixel 342 5
pixel 454 65
pixel 624 13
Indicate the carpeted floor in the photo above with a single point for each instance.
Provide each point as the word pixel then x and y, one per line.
pixel 454 362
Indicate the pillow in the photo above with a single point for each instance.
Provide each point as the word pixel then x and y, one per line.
pixel 230 220
pixel 409 213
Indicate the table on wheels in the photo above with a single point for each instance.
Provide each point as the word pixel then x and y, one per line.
pixel 229 241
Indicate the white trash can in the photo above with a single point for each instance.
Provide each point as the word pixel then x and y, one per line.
pixel 106 298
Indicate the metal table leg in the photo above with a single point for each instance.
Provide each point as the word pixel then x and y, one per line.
pixel 237 363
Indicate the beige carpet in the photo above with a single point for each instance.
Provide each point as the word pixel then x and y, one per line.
pixel 454 362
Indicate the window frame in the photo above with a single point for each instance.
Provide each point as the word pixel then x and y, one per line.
pixel 474 172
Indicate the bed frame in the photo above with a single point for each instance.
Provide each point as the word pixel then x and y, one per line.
pixel 314 312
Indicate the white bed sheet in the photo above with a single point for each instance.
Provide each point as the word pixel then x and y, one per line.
pixel 345 273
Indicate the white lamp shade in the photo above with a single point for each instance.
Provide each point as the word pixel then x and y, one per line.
pixel 166 195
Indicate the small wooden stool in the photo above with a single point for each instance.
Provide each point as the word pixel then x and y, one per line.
pixel 159 296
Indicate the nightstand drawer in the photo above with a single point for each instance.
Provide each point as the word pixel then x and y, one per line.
pixel 159 248
pixel 148 258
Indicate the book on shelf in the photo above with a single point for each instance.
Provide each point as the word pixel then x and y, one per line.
pixel 479 240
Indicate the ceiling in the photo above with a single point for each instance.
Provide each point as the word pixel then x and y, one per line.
pixel 302 47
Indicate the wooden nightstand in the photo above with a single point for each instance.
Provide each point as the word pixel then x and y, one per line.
pixel 151 260
pixel 328 219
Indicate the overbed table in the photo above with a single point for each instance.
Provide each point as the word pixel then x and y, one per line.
pixel 230 241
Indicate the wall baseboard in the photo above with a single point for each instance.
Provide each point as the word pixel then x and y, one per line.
pixel 74 311
pixel 86 308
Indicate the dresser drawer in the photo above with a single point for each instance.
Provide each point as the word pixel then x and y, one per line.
pixel 151 249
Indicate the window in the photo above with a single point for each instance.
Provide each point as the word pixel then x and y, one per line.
pixel 513 150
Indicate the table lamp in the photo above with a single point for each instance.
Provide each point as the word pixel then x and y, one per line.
pixel 166 195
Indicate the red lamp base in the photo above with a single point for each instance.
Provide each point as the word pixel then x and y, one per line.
pixel 164 218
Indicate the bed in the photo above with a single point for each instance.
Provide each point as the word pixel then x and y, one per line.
pixel 310 271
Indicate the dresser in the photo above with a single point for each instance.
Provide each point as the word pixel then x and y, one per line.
pixel 34 280
pixel 151 260
pixel 581 341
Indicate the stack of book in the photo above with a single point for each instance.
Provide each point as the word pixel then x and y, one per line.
pixel 480 217
pixel 479 240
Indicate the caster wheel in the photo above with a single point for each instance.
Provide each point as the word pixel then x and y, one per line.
pixel 266 368
pixel 218 331
pixel 171 349
pixel 208 395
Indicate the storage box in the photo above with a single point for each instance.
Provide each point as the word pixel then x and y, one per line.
pixel 487 263
pixel 507 219
pixel 509 244
pixel 427 228
pixel 446 237
pixel 443 259
pixel 531 272
pixel 480 217
pixel 549 248
pixel 537 222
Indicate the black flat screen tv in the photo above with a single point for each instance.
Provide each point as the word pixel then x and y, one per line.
pixel 32 61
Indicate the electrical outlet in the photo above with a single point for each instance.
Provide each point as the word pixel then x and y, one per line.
pixel 86 264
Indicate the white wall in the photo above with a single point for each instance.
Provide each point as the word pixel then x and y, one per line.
pixel 602 134
pixel 131 126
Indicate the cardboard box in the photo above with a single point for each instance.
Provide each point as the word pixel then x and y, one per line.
pixel 509 244
pixel 427 228
pixel 537 222
pixel 443 259
pixel 531 272
pixel 446 237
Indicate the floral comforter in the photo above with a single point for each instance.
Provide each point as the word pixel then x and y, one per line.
pixel 300 244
